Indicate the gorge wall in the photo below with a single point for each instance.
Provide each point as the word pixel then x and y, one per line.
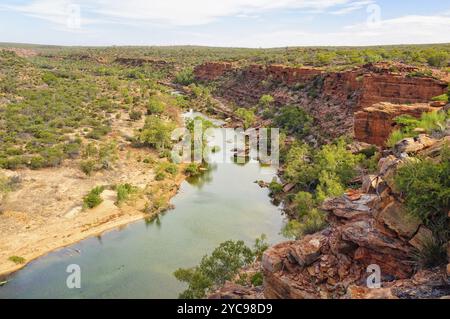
pixel 331 98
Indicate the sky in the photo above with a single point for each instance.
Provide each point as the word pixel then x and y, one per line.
pixel 231 23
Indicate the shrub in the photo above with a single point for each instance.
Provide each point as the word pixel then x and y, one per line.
pixel 304 203
pixel 440 98
pixel 438 59
pixel 192 169
pixel 93 198
pixel 185 77
pixel 87 166
pixel 425 186
pixel 160 176
pixel 124 191
pixel 395 137
pixel 431 254
pixel 37 162
pixel 156 132
pixel 135 115
pixel 17 259
pixel 223 264
pixel 257 279
pixel 155 106
pixel 294 120
pixel 275 188
pixel 313 222
pixel 247 116
pixel 265 101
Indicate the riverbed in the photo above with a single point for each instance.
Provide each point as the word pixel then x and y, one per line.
pixel 138 260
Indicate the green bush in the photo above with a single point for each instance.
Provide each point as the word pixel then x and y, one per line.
pixel 124 191
pixel 440 98
pixel 192 169
pixel 87 167
pixel 247 116
pixel 156 133
pixel 93 198
pixel 425 186
pixel 155 106
pixel 304 203
pixel 294 120
pixel 257 279
pixel 160 176
pixel 17 259
pixel 185 77
pixel 275 188
pixel 223 264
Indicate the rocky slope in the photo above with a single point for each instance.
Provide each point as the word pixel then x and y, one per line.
pixel 331 97
pixel 366 227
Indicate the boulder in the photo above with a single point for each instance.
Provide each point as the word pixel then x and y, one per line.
pixel 370 183
pixel 414 144
pixel 343 207
pixel 422 236
pixel 308 250
pixel 397 218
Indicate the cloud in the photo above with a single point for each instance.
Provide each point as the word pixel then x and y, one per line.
pixel 353 6
pixel 169 12
pixel 411 29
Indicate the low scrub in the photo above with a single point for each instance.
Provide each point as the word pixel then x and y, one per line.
pixel 93 198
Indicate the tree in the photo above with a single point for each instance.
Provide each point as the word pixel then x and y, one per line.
pixel 247 116
pixel 156 132
pixel 294 120
pixel 223 264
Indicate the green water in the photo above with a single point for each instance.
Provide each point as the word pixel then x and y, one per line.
pixel 138 260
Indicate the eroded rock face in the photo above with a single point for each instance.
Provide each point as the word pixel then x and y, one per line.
pixel 330 97
pixel 374 124
pixel 211 71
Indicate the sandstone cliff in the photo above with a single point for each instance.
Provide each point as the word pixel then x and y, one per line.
pixel 331 98
pixel 374 124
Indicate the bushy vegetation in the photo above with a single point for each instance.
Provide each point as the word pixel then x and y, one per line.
pixel 223 264
pixel 17 259
pixel 93 198
pixel 425 187
pixel 293 120
pixel 247 116
pixel 124 191
pixel 430 122
pixel 185 77
pixel 156 132
pixel 317 175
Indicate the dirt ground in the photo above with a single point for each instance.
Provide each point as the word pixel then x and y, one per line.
pixel 46 211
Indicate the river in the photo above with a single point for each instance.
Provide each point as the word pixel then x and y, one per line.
pixel 138 261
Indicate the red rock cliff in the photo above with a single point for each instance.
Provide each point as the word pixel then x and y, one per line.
pixel 374 124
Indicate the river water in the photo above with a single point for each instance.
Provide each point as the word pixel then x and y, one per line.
pixel 138 260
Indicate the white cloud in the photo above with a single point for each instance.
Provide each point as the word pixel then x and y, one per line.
pixel 353 6
pixel 171 12
pixel 411 29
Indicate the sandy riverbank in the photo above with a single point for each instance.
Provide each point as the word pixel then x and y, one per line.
pixel 52 216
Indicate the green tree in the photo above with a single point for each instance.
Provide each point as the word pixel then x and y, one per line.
pixel 247 116
pixel 156 132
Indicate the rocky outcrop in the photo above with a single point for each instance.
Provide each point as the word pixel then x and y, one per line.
pixel 374 124
pixel 330 97
pixel 211 71
pixel 366 227
pixel 135 62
